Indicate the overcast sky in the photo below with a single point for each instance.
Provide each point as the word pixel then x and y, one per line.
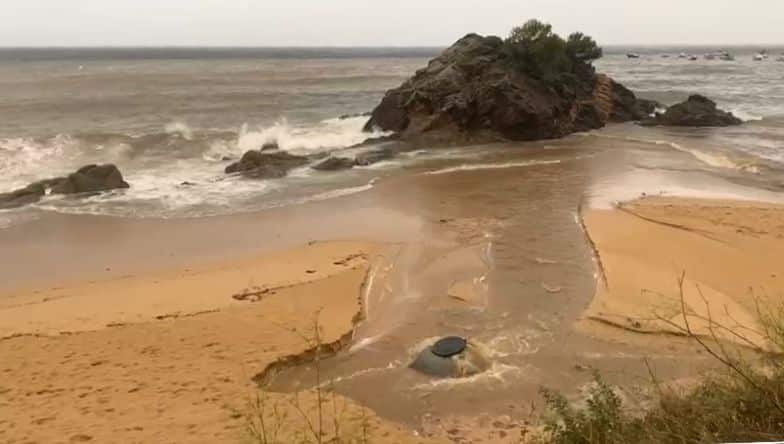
pixel 378 23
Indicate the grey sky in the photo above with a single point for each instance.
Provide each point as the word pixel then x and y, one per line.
pixel 378 23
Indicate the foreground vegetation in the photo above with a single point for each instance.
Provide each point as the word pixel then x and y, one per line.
pixel 743 403
pixel 720 409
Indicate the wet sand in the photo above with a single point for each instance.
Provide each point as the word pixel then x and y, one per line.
pixel 496 253
pixel 729 252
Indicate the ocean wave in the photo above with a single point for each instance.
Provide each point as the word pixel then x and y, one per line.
pixel 179 128
pixel 327 135
pixel 23 160
pixel 712 159
pixel 745 115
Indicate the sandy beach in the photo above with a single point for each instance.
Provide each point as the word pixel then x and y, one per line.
pixel 500 226
pixel 171 357
pixel 729 253
pixel 162 330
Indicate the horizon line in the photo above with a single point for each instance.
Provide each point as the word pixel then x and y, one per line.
pixel 177 46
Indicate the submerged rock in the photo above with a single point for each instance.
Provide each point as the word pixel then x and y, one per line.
pixel 471 92
pixel 88 179
pixel 697 111
pixel 451 357
pixel 23 196
pixel 374 156
pixel 334 164
pixel 266 165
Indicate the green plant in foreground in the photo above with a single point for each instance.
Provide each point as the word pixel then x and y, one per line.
pixel 601 421
pixel 290 420
pixel 743 403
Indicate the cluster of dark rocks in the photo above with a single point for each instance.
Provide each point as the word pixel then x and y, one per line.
pixel 86 180
pixel 264 164
pixel 696 111
pixel 469 93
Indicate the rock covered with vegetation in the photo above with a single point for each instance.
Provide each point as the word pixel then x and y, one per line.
pixel 533 85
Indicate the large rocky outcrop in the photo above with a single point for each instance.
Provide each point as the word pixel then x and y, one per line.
pixel 88 179
pixel 697 111
pixel 266 165
pixel 472 92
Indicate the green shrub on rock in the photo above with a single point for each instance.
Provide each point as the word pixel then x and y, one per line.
pixel 536 50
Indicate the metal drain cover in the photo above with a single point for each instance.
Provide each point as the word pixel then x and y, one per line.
pixel 448 347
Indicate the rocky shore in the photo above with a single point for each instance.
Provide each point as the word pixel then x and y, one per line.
pixel 696 111
pixel 474 92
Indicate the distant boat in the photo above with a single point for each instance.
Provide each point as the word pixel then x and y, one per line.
pixel 761 56
pixel 633 55
pixel 682 55
pixel 665 56
pixel 721 55
pixel 693 58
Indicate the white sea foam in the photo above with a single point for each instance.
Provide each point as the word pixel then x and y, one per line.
pixel 334 194
pixel 746 116
pixel 492 166
pixel 716 160
pixel 23 160
pixel 363 372
pixel 713 159
pixel 327 135
pixel 497 374
pixel 179 128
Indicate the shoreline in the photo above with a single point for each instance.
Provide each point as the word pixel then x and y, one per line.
pixel 725 252
pixel 173 293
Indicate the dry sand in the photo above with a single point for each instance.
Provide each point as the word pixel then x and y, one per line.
pixel 170 357
pixel 731 254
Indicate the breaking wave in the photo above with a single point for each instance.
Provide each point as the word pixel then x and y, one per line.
pixel 327 135
pixel 746 116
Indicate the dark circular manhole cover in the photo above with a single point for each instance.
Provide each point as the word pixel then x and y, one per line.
pixel 448 347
